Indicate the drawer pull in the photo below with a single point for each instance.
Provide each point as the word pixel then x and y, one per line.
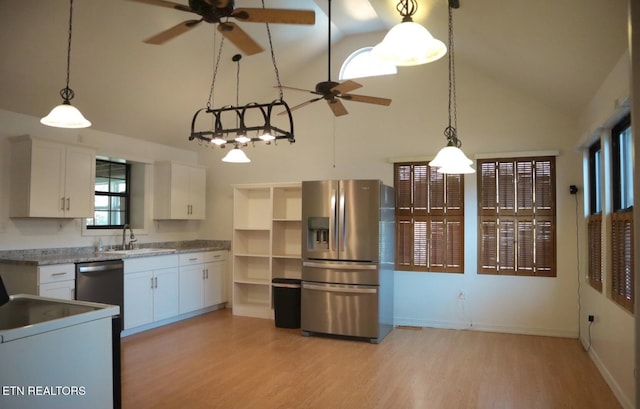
pixel 193 259
pixel 64 273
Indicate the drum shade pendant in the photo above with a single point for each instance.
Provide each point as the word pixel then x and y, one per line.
pixel 409 43
pixel 451 159
pixel 66 115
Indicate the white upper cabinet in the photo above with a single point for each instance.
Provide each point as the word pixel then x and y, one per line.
pixel 50 179
pixel 179 191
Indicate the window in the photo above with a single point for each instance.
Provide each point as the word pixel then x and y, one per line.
pixel 594 220
pixel 429 219
pixel 361 64
pixel 516 231
pixel 622 276
pixel 111 195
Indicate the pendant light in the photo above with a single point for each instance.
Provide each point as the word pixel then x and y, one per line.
pixel 236 155
pixel 66 115
pixel 451 159
pixel 409 43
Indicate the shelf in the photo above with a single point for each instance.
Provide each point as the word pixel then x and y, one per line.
pixel 251 269
pixel 251 242
pixel 252 207
pixel 286 268
pixel 286 238
pixel 287 203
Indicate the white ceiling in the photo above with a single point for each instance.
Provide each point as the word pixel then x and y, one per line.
pixel 558 51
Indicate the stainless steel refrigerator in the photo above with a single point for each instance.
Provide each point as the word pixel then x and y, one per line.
pixel 348 258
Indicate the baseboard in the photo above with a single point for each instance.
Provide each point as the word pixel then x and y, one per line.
pixel 167 321
pixel 617 391
pixel 476 326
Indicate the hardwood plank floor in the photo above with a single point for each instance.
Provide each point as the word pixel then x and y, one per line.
pixel 218 360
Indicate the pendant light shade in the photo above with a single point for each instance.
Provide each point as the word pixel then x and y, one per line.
pixel 409 43
pixel 65 115
pixel 236 155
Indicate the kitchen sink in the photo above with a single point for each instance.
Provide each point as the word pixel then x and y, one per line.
pixel 134 252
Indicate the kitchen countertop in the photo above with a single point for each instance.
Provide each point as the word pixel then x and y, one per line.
pixel 85 254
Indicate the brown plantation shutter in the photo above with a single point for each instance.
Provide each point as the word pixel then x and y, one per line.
pixel 429 219
pixel 594 241
pixel 622 258
pixel 516 216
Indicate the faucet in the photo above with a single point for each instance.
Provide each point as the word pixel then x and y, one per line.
pixel 132 237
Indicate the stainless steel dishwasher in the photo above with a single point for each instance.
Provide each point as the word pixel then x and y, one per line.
pixel 103 282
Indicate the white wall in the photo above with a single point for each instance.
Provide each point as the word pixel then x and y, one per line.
pixel 612 333
pixel 492 118
pixel 43 233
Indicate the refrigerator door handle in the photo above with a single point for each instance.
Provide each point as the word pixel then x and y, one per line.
pixel 343 221
pixel 333 221
pixel 340 266
pixel 331 289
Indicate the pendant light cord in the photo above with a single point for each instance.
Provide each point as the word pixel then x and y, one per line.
pixel 451 132
pixel 67 93
pixel 215 69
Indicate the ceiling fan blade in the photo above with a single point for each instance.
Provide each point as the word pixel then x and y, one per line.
pixel 366 98
pixel 172 32
pixel 337 107
pixel 297 89
pixel 233 33
pixel 278 16
pixel 168 4
pixel 304 104
pixel 346 86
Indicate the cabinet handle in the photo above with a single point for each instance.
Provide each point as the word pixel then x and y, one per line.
pixel 152 283
pixel 68 203
pixel 155 280
pixel 207 270
pixel 59 274
pixel 203 274
pixel 62 205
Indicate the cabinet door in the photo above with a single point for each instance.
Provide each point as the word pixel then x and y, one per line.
pixel 165 293
pixel 46 193
pixel 79 182
pixel 214 283
pixel 191 292
pixel 180 191
pixel 63 290
pixel 197 187
pixel 138 299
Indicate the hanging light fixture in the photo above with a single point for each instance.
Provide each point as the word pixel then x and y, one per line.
pixel 252 123
pixel 409 43
pixel 451 159
pixel 66 115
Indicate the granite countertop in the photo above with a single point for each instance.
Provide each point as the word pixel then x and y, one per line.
pixel 85 254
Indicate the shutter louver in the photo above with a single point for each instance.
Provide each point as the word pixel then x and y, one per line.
pixel 525 247
pixel 622 258
pixel 594 239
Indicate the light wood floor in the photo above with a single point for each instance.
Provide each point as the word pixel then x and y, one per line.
pixel 218 360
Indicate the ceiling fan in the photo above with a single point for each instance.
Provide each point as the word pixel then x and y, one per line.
pixel 333 92
pixel 220 11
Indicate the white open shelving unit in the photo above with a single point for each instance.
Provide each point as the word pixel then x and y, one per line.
pixel 266 243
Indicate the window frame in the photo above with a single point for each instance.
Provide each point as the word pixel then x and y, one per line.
pixel 622 241
pixel 436 206
pixel 522 221
pixel 594 219
pixel 126 195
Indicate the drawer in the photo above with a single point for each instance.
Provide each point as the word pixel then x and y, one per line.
pixel 210 256
pixel 133 265
pixel 56 272
pixel 192 258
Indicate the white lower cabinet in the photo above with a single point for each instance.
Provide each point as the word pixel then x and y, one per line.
pixel 201 280
pixel 57 281
pixel 150 289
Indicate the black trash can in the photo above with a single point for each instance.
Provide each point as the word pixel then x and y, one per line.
pixel 286 302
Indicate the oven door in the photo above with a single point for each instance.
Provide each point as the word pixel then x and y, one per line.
pixel 340 309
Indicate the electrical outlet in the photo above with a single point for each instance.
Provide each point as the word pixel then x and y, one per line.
pixel 591 318
pixel 462 294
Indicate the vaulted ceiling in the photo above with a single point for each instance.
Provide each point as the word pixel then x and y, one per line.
pixel 558 51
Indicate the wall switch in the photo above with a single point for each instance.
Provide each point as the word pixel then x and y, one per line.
pixel 591 318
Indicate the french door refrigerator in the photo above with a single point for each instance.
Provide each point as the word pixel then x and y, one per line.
pixel 348 258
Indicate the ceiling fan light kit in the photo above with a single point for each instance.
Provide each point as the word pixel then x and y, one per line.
pixel 66 115
pixel 409 43
pixel 451 159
